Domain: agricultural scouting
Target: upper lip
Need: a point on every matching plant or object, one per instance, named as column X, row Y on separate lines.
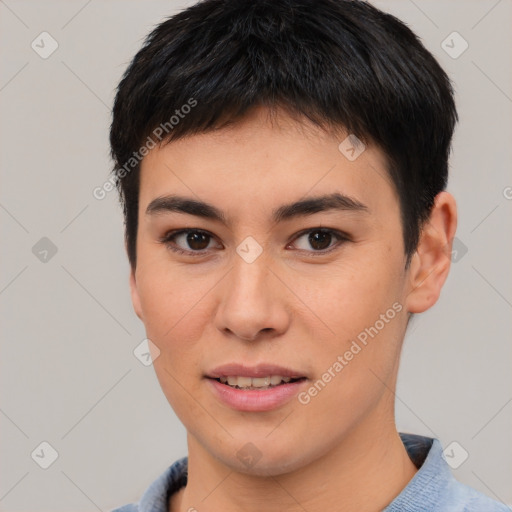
column 260, row 370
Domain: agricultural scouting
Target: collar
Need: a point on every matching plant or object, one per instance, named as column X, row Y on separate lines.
column 426, row 488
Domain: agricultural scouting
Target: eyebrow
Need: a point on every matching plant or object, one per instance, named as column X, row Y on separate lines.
column 301, row 208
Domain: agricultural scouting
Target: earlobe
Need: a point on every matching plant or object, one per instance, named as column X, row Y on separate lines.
column 135, row 295
column 431, row 262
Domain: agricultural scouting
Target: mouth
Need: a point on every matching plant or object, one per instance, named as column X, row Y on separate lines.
column 257, row 388
column 257, row 383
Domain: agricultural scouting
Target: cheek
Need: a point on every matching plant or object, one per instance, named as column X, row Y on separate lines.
column 174, row 319
column 350, row 296
column 354, row 368
column 171, row 302
column 361, row 326
column 360, row 323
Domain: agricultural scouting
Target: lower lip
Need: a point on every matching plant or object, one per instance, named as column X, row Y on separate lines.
column 255, row 400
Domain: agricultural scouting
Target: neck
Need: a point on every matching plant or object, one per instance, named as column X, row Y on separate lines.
column 366, row 471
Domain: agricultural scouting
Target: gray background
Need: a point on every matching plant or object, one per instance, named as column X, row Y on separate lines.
column 68, row 373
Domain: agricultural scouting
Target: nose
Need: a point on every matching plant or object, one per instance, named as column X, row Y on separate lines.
column 252, row 302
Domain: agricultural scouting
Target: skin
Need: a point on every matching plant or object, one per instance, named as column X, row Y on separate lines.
column 341, row 451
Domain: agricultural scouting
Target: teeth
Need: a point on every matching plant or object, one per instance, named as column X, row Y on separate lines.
column 261, row 381
column 256, row 382
column 243, row 382
column 275, row 380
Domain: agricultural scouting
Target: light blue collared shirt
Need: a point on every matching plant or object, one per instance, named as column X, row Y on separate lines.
column 432, row 489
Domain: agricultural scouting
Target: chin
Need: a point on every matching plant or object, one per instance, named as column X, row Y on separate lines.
column 264, row 458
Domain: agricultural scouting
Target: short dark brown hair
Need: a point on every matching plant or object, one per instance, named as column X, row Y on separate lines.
column 335, row 62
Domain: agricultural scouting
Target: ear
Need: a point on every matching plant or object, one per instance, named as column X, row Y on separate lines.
column 135, row 295
column 430, row 263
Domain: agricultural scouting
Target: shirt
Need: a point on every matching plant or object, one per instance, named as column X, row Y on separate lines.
column 432, row 489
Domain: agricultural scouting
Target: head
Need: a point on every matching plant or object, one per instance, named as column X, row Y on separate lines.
column 305, row 148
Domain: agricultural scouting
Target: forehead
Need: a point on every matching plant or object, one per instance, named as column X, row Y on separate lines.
column 260, row 162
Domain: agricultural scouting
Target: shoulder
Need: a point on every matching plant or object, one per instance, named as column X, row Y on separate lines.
column 131, row 507
column 156, row 496
column 462, row 498
column 434, row 487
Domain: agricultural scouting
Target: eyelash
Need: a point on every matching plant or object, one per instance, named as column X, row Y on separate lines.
column 168, row 238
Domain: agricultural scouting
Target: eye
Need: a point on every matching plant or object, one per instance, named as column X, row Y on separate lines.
column 196, row 242
column 320, row 239
column 193, row 242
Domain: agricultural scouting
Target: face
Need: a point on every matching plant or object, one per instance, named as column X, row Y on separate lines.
column 319, row 291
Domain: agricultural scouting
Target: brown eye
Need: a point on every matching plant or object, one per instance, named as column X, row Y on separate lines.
column 188, row 241
column 196, row 240
column 319, row 240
